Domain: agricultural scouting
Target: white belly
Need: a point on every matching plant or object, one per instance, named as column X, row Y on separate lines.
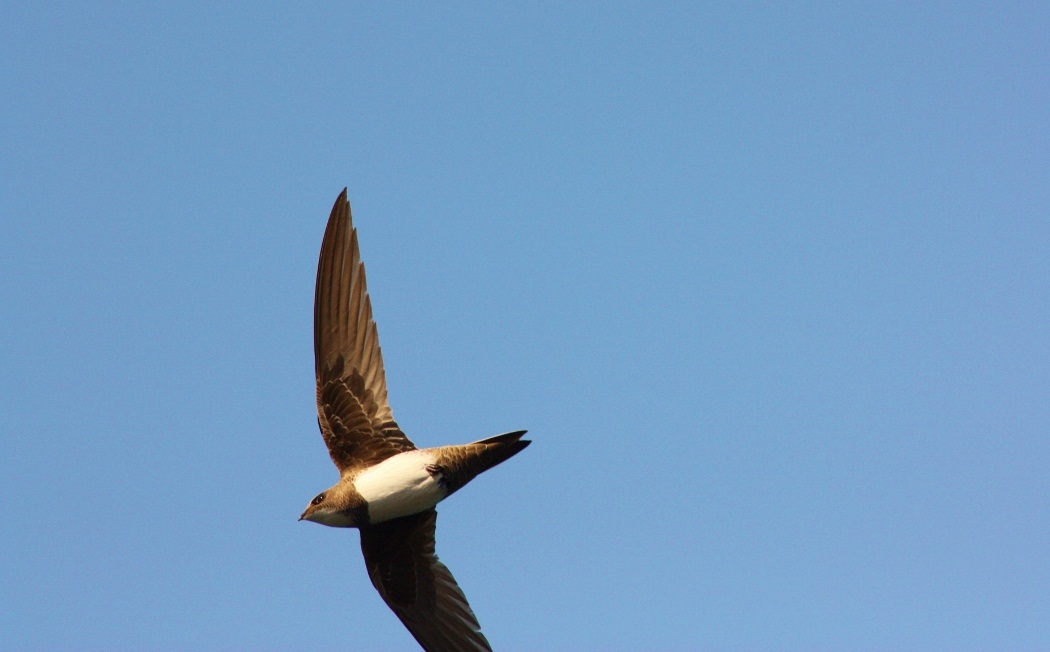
column 399, row 486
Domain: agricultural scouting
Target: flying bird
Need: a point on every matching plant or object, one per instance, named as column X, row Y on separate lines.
column 387, row 487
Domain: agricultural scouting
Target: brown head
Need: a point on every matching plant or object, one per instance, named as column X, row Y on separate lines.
column 337, row 506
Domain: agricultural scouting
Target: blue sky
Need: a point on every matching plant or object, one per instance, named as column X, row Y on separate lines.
column 767, row 284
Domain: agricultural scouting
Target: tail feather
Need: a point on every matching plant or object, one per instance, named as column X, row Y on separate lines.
column 461, row 464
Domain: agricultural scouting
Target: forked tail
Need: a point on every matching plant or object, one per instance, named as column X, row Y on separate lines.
column 461, row 464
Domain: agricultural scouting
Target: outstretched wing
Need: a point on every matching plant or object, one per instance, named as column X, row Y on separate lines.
column 399, row 555
column 352, row 409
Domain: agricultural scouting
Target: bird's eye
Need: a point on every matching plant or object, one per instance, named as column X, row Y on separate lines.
column 318, row 500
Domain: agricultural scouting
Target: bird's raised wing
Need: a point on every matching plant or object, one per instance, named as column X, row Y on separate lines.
column 399, row 555
column 352, row 409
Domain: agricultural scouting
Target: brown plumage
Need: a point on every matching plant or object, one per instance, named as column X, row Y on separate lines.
column 461, row 464
column 387, row 486
column 399, row 555
column 352, row 410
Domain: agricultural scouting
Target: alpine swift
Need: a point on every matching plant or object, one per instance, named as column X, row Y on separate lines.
column 387, row 487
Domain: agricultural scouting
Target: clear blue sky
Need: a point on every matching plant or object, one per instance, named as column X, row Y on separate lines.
column 769, row 287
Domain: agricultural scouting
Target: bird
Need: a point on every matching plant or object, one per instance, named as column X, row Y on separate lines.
column 388, row 488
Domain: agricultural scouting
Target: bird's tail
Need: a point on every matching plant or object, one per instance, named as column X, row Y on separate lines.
column 461, row 464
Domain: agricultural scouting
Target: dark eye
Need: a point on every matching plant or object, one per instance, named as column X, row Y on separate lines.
column 318, row 500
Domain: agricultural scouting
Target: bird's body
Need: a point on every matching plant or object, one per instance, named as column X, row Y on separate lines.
column 388, row 488
column 411, row 482
column 402, row 485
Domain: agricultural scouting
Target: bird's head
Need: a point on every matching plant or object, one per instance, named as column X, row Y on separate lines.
column 331, row 507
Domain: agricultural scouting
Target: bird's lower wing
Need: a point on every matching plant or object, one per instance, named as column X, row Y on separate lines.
column 399, row 555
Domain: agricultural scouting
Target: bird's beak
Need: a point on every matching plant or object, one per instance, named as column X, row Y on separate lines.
column 302, row 516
